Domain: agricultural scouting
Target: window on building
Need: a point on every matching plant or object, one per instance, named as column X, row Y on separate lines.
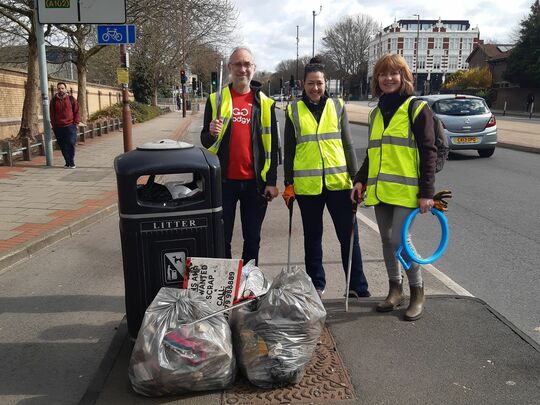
column 421, row 62
column 423, row 43
column 454, row 43
column 393, row 44
column 452, row 62
column 438, row 43
column 409, row 60
column 409, row 43
column 437, row 62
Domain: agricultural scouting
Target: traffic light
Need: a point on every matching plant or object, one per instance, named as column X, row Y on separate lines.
column 214, row 79
column 194, row 84
column 183, row 77
column 291, row 82
column 280, row 83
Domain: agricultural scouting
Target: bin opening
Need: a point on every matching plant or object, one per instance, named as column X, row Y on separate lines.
column 170, row 190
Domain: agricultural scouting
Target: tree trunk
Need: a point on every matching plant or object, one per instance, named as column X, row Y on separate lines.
column 154, row 96
column 81, row 84
column 30, row 113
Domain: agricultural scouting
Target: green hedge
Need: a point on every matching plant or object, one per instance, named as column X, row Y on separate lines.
column 141, row 112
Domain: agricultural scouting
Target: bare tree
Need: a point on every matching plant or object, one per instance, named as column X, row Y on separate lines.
column 83, row 37
column 346, row 43
column 192, row 26
column 17, row 21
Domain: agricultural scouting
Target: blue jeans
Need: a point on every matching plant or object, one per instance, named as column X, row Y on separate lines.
column 67, row 138
column 252, row 211
column 340, row 207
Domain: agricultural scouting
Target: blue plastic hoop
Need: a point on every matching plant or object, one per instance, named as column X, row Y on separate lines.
column 405, row 246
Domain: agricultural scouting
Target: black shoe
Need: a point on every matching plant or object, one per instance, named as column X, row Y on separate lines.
column 354, row 294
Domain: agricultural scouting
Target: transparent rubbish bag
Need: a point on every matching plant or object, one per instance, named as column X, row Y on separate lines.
column 275, row 336
column 174, row 355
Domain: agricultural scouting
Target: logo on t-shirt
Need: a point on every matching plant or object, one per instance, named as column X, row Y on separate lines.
column 240, row 115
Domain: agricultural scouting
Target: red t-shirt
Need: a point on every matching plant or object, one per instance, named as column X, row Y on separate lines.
column 240, row 147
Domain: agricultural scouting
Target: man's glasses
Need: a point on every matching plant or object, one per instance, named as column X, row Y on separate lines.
column 245, row 65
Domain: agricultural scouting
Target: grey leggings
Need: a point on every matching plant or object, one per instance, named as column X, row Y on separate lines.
column 390, row 219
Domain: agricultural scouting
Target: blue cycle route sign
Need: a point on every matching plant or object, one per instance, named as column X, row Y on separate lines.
column 115, row 34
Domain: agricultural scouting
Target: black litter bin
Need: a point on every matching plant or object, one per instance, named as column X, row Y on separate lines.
column 169, row 202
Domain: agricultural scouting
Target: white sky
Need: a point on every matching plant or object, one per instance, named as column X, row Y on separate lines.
column 268, row 27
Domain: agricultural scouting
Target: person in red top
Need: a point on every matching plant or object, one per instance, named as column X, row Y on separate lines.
column 242, row 155
column 65, row 118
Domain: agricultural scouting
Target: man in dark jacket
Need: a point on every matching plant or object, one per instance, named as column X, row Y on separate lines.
column 65, row 118
column 240, row 127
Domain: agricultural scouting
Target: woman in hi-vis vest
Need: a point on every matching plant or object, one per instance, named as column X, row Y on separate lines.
column 319, row 164
column 398, row 173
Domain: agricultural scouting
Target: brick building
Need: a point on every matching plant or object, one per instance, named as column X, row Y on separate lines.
column 493, row 57
column 441, row 47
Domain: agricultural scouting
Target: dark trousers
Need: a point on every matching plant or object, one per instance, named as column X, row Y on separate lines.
column 340, row 207
column 252, row 211
column 67, row 139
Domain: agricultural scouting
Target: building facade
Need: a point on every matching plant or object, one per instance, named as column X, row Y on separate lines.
column 432, row 48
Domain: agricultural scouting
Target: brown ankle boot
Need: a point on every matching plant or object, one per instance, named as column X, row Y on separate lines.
column 394, row 299
column 416, row 304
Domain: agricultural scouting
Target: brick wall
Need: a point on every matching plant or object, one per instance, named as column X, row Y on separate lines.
column 12, row 98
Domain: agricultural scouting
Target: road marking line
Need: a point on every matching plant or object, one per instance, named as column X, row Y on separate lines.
column 443, row 278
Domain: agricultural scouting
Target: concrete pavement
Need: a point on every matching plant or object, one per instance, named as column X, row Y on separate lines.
column 40, row 205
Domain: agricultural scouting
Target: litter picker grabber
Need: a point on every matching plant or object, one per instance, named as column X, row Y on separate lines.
column 349, row 263
column 291, row 205
column 218, row 91
column 245, row 301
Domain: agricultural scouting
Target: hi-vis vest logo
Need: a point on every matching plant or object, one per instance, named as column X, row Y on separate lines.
column 174, row 267
column 241, row 116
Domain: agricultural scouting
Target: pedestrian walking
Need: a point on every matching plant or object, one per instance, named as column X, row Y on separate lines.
column 65, row 117
column 398, row 172
column 243, row 134
column 530, row 101
column 319, row 163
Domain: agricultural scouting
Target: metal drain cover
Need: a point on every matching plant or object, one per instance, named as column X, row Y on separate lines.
column 326, row 381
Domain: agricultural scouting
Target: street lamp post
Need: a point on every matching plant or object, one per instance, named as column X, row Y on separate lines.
column 314, row 15
column 417, row 46
column 297, row 40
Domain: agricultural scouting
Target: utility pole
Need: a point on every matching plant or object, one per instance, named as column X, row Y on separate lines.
column 44, row 84
column 126, row 112
column 417, row 46
column 313, row 47
column 297, row 40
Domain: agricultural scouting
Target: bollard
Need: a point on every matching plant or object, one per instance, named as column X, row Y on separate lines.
column 27, row 151
column 9, row 156
column 530, row 112
column 504, row 109
column 81, row 133
column 41, row 144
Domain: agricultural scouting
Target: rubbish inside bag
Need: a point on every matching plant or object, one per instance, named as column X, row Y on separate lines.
column 252, row 281
column 172, row 356
column 275, row 338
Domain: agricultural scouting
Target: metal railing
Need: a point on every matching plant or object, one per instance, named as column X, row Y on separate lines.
column 9, row 153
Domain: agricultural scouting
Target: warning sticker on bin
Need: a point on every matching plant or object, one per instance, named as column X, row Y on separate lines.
column 175, row 264
column 215, row 279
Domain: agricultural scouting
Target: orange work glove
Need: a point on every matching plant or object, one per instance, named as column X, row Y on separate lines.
column 288, row 195
column 439, row 200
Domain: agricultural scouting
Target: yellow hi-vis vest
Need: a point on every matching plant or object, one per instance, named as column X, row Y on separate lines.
column 226, row 114
column 394, row 161
column 319, row 157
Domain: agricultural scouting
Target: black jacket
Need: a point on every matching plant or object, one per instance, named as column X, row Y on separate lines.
column 259, row 158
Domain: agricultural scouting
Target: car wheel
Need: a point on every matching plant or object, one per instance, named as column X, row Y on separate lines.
column 486, row 152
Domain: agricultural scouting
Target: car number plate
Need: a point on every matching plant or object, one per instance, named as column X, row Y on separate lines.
column 466, row 139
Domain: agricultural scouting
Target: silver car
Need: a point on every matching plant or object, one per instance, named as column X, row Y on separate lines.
column 468, row 122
